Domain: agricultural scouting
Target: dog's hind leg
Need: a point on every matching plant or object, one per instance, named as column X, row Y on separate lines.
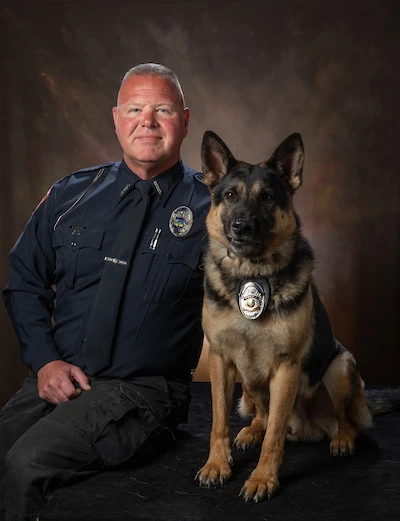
column 218, row 466
column 345, row 388
column 256, row 406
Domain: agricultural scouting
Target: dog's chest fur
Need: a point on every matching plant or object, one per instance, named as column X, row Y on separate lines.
column 256, row 346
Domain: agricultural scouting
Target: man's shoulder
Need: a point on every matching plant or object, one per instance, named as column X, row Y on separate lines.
column 194, row 174
column 199, row 177
column 199, row 192
column 78, row 176
column 91, row 170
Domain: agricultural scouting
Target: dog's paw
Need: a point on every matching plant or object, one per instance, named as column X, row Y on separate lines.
column 342, row 446
column 249, row 437
column 213, row 474
column 257, row 489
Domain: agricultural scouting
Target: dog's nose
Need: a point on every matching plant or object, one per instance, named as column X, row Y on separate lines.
column 241, row 227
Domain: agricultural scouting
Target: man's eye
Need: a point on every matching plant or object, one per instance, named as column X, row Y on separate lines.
column 165, row 111
column 134, row 110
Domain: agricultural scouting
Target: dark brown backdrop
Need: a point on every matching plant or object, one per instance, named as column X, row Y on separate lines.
column 253, row 72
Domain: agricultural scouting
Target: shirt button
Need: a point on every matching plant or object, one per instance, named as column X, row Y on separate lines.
column 170, row 256
column 73, row 243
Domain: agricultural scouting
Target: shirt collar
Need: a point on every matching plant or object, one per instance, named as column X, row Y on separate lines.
column 126, row 179
column 163, row 183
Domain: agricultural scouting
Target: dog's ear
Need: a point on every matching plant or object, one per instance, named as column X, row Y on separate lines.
column 216, row 159
column 288, row 160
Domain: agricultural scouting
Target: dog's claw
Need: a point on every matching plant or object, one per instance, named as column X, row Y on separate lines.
column 258, row 490
column 212, row 475
column 244, row 495
column 343, row 446
column 249, row 437
column 244, row 446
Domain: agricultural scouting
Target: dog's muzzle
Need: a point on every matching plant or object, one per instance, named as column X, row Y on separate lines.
column 242, row 228
column 241, row 236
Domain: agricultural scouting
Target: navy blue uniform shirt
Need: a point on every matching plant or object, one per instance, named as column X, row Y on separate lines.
column 63, row 246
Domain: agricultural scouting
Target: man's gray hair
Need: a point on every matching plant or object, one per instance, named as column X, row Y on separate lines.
column 156, row 69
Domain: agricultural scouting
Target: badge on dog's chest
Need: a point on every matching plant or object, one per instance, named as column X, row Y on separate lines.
column 252, row 296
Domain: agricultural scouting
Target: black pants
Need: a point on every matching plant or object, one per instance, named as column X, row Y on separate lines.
column 44, row 445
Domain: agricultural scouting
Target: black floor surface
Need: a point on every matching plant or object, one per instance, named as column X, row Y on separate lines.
column 314, row 485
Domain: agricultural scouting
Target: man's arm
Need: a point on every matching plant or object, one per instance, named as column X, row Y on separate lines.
column 29, row 299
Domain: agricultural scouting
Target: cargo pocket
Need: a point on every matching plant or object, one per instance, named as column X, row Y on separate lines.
column 171, row 266
column 78, row 256
column 140, row 413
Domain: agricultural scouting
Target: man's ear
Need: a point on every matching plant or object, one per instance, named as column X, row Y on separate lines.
column 216, row 159
column 186, row 116
column 115, row 116
column 288, row 161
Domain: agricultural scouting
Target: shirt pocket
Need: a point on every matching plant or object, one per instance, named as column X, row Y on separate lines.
column 169, row 268
column 78, row 255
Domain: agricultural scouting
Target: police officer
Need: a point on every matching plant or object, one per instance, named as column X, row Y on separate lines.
column 102, row 390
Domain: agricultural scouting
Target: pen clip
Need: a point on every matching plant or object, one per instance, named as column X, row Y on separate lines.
column 154, row 240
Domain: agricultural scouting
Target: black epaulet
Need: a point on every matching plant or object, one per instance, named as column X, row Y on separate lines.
column 93, row 168
column 97, row 169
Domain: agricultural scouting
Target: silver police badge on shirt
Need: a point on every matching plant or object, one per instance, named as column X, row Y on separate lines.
column 253, row 296
column 181, row 221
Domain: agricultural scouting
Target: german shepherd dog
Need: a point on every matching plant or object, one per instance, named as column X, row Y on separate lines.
column 264, row 319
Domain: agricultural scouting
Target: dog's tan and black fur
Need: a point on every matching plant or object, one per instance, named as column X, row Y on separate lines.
column 298, row 381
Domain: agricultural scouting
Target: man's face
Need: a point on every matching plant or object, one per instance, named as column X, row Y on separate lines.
column 151, row 123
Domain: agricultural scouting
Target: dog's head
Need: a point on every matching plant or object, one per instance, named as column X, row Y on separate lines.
column 252, row 211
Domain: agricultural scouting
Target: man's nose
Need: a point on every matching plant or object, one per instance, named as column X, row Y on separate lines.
column 148, row 119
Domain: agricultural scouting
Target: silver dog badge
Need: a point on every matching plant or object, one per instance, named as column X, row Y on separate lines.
column 253, row 298
column 181, row 221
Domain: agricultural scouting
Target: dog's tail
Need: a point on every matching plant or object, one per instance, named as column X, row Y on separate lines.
column 382, row 400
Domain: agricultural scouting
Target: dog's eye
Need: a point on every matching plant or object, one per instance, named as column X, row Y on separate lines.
column 229, row 194
column 266, row 196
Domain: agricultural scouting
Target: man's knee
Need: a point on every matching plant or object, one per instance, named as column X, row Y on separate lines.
column 16, row 483
column 25, row 461
column 14, row 465
column 38, row 462
column 24, row 482
column 45, row 451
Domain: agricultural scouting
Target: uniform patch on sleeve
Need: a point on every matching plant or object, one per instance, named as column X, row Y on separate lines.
column 43, row 199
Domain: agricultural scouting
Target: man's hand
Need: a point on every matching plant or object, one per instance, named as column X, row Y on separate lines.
column 56, row 382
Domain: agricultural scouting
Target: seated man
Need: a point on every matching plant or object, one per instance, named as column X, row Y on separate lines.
column 110, row 364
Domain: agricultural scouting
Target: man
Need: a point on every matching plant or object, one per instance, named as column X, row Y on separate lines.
column 102, row 391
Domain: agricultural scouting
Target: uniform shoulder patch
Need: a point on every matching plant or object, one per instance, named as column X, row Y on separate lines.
column 43, row 199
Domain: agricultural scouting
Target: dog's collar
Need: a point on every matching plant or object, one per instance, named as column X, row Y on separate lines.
column 252, row 296
column 253, row 261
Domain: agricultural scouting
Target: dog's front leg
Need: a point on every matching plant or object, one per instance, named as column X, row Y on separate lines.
column 218, row 466
column 263, row 481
